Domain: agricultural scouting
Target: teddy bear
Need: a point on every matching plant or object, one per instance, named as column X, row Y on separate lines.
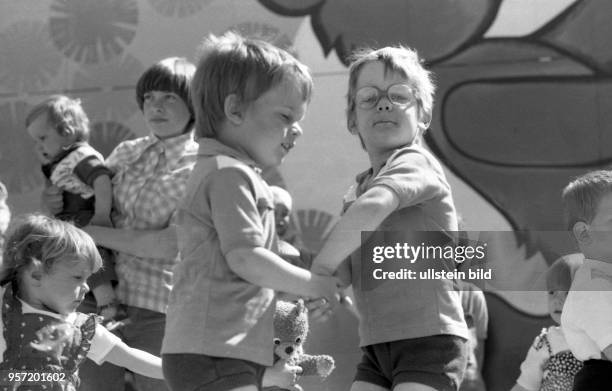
column 290, row 331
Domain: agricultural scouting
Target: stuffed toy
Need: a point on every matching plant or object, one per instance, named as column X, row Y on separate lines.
column 290, row 331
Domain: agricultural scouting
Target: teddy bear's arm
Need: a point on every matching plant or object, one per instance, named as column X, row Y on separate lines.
column 321, row 365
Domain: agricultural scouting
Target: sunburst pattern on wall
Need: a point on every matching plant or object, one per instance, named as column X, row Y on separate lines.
column 28, row 59
column 90, row 31
column 113, row 86
column 178, row 8
column 105, row 136
column 19, row 169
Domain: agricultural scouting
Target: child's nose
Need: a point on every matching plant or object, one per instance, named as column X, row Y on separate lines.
column 384, row 104
column 295, row 132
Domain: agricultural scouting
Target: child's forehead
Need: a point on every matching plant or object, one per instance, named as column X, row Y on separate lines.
column 74, row 265
column 374, row 72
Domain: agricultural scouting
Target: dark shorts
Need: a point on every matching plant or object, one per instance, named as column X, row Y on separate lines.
column 197, row 372
column 595, row 375
column 437, row 361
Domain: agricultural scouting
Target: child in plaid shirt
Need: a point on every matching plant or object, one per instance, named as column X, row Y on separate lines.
column 249, row 97
column 150, row 175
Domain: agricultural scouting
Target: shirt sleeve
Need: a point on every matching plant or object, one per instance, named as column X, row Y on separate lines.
column 480, row 314
column 89, row 169
column 532, row 367
column 101, row 344
column 598, row 304
column 411, row 176
column 234, row 209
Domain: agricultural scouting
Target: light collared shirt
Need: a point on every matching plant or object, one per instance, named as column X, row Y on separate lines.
column 587, row 313
column 149, row 181
column 212, row 310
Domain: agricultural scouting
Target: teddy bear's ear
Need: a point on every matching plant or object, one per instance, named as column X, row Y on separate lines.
column 300, row 306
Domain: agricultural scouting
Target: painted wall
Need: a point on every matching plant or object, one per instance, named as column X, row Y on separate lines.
column 524, row 91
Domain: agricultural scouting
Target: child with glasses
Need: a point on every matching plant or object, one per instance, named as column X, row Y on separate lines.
column 412, row 333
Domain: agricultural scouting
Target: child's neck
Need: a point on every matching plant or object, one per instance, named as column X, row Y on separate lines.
column 379, row 158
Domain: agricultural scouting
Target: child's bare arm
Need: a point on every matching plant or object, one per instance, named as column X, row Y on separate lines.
column 103, row 192
column 156, row 244
column 262, row 267
column 365, row 214
column 135, row 360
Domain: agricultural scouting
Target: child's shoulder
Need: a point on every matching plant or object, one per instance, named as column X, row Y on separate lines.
column 415, row 156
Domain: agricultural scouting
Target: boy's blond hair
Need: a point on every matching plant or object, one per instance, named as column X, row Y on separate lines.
column 42, row 241
column 232, row 64
column 398, row 59
column 64, row 114
column 581, row 197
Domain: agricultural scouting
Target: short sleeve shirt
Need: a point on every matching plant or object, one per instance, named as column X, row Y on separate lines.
column 398, row 309
column 213, row 311
column 587, row 313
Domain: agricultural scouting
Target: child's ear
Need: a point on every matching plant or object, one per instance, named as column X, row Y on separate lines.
column 234, row 109
column 582, row 232
column 33, row 275
column 424, row 120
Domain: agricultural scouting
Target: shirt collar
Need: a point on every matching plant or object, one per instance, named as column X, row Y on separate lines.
column 211, row 147
column 173, row 147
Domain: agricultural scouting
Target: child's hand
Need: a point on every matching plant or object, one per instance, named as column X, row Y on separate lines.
column 282, row 375
column 326, row 286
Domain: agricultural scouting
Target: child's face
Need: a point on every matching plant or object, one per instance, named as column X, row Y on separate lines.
column 281, row 216
column 64, row 287
column 49, row 143
column 599, row 243
column 270, row 123
column 556, row 299
column 385, row 126
column 165, row 113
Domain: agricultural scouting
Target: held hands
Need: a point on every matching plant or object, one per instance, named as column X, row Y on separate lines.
column 282, row 375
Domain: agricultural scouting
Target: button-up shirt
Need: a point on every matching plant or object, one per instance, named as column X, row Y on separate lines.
column 149, row 181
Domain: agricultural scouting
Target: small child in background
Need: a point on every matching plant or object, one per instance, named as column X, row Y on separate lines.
column 5, row 214
column 283, row 206
column 248, row 98
column 412, row 334
column 288, row 250
column 43, row 281
column 550, row 365
column 60, row 130
column 477, row 318
column 587, row 314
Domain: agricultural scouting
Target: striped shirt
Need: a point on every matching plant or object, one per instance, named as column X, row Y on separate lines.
column 149, row 181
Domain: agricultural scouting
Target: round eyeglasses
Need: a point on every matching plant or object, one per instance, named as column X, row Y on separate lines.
column 401, row 95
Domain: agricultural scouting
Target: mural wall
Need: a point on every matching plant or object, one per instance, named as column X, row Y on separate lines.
column 523, row 100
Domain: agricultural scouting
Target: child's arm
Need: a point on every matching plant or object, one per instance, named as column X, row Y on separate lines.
column 517, row 387
column 103, row 193
column 262, row 267
column 156, row 244
column 365, row 214
column 135, row 360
